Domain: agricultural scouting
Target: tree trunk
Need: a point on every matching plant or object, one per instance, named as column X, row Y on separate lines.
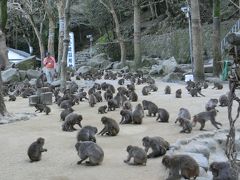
column 65, row 44
column 137, row 34
column 3, row 14
column 197, row 41
column 216, row 38
column 3, row 64
column 60, row 6
column 52, row 26
column 152, row 9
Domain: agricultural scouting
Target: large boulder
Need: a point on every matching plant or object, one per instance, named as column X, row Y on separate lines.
column 156, row 70
column 23, row 74
column 86, row 70
column 149, row 61
column 99, row 61
column 173, row 77
column 33, row 74
column 169, row 65
column 10, row 75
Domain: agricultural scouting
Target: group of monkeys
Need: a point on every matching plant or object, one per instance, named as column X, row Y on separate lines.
column 86, row 146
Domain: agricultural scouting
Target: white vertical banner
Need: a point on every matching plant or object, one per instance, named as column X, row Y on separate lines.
column 71, row 52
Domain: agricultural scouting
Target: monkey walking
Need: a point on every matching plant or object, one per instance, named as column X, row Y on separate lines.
column 35, row 150
column 188, row 167
column 89, row 150
column 186, row 125
column 138, row 154
column 202, row 117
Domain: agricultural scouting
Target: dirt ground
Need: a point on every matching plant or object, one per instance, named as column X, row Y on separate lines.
column 59, row 162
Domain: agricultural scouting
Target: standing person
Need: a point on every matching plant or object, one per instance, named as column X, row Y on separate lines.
column 49, row 66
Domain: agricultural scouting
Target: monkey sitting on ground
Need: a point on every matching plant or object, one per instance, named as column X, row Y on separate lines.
column 222, row 171
column 98, row 96
column 111, row 127
column 167, row 90
column 223, row 100
column 126, row 117
column 202, row 117
column 91, row 150
column 92, row 100
column 133, row 96
column 121, row 81
column 112, row 105
column 131, row 87
column 108, row 94
column 211, row 104
column 35, row 150
column 138, row 154
column 70, row 120
column 158, row 145
column 187, row 166
column 217, row 85
column 183, row 113
column 146, row 90
column 186, row 125
column 46, row 109
column 87, row 133
column 12, row 98
column 153, row 87
column 66, row 104
column 102, row 109
column 163, row 115
column 179, row 93
column 151, row 107
column 138, row 114
column 205, row 85
column 65, row 112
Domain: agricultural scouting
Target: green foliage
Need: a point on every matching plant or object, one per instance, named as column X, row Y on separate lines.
column 105, row 38
column 3, row 14
column 216, row 8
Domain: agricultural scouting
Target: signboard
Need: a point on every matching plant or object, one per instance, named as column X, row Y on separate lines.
column 71, row 52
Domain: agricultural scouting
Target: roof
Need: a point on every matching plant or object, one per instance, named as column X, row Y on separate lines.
column 15, row 55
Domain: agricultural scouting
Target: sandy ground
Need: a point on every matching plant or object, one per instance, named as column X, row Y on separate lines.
column 59, row 163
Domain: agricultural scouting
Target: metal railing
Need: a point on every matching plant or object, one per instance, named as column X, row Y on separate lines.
column 235, row 28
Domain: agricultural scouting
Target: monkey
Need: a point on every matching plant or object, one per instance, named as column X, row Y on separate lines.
column 138, row 154
column 118, row 99
column 183, row 113
column 40, row 81
column 98, row 96
column 92, row 100
column 70, row 120
column 222, row 171
column 163, row 115
column 167, row 90
column 121, row 81
column 153, row 87
column 35, row 150
column 39, row 107
column 46, row 109
column 187, row 166
column 89, row 149
column 12, row 98
column 127, row 106
column 223, row 100
column 91, row 90
column 82, row 95
column 146, row 90
column 195, row 91
column 150, row 80
column 126, row 117
column 205, row 85
column 108, row 94
column 102, row 109
column 186, row 125
column 123, row 91
column 66, row 104
column 65, row 112
column 97, row 86
column 111, row 127
column 179, row 93
column 112, row 105
column 131, row 87
column 202, row 117
column 87, row 133
column 151, row 107
column 138, row 114
column 217, row 85
column 133, row 96
column 211, row 104
column 158, row 145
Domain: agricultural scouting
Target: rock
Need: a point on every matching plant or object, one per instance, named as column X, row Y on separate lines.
column 33, row 82
column 169, row 65
column 149, row 61
column 117, row 65
column 99, row 61
column 10, row 75
column 183, row 68
column 156, row 70
column 56, row 83
column 33, row 74
column 196, row 147
column 173, row 77
column 110, row 66
column 84, row 70
column 125, row 69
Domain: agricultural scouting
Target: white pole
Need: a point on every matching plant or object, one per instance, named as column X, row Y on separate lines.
column 190, row 37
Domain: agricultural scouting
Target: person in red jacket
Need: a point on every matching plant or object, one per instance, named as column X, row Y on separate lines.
column 49, row 66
